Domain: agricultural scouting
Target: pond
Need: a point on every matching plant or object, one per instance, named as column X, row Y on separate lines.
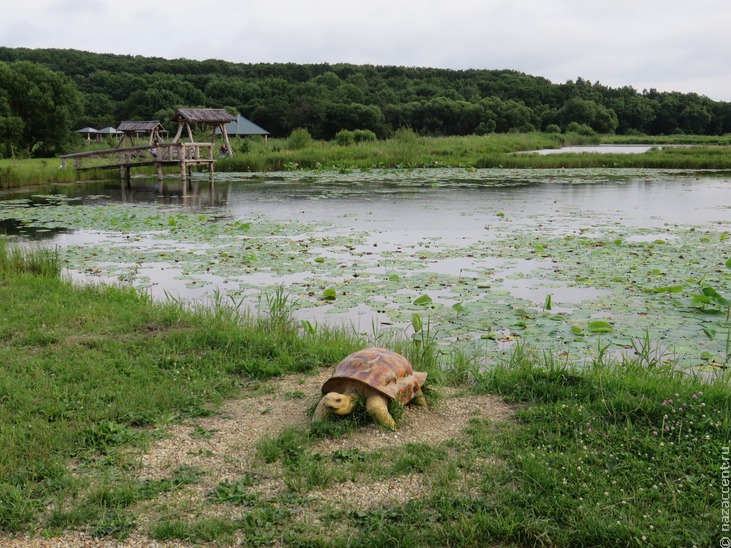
column 566, row 260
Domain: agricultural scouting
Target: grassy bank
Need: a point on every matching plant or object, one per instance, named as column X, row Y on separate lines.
column 619, row 454
column 407, row 150
column 25, row 172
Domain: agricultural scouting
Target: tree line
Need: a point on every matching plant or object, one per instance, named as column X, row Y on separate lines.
column 100, row 90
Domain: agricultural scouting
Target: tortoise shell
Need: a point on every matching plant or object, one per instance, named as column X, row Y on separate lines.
column 383, row 370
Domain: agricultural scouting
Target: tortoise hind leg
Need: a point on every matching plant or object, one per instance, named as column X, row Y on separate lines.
column 419, row 400
column 377, row 407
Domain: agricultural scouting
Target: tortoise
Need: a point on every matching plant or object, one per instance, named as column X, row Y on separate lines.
column 376, row 375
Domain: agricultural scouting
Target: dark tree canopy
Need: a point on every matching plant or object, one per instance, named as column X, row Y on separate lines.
column 38, row 108
column 328, row 98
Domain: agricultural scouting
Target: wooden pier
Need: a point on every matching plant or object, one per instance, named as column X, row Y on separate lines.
column 157, row 153
column 181, row 154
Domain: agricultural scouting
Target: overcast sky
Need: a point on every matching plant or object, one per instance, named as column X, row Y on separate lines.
column 669, row 45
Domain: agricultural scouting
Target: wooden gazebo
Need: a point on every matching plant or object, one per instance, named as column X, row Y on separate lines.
column 216, row 118
column 132, row 129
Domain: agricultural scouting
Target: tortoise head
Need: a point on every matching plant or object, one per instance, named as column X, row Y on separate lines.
column 335, row 403
column 339, row 404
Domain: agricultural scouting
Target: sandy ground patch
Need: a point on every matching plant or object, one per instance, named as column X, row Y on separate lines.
column 223, row 447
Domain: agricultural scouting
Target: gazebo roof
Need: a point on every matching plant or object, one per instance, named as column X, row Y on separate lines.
column 203, row 116
column 139, row 126
column 243, row 126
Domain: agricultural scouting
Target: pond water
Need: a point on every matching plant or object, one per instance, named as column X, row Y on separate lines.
column 486, row 256
column 599, row 149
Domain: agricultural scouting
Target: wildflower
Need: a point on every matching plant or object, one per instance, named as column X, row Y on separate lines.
column 654, row 433
column 677, row 395
column 695, row 397
column 700, row 393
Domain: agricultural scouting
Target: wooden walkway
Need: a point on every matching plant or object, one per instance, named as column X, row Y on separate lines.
column 180, row 154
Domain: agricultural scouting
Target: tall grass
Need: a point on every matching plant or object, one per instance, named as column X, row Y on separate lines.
column 404, row 149
column 16, row 173
column 408, row 150
column 16, row 260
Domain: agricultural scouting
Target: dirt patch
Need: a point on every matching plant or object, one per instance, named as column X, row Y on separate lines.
column 223, row 448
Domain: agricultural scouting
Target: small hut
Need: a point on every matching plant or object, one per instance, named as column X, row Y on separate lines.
column 109, row 132
column 217, row 118
column 88, row 131
column 243, row 127
column 152, row 129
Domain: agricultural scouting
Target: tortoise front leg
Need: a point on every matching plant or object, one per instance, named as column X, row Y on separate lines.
column 377, row 407
column 321, row 412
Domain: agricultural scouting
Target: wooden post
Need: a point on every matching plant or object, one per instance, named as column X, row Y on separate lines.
column 181, row 159
column 225, row 138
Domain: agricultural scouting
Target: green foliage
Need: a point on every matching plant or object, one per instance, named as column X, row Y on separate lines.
column 16, row 508
column 581, row 129
column 299, row 138
column 345, row 137
column 364, row 136
column 325, row 98
column 16, row 260
column 38, row 107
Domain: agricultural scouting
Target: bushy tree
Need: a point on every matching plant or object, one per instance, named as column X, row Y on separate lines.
column 38, row 108
column 326, row 98
column 345, row 137
column 299, row 138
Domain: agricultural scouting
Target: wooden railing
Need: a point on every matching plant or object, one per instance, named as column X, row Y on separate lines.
column 182, row 154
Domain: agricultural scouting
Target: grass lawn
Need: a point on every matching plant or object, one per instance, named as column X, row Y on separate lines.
column 95, row 378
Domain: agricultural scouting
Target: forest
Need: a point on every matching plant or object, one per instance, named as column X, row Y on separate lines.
column 79, row 89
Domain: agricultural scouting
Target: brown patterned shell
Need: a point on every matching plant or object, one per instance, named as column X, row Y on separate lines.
column 382, row 369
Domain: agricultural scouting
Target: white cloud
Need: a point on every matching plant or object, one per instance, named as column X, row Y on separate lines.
column 662, row 44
